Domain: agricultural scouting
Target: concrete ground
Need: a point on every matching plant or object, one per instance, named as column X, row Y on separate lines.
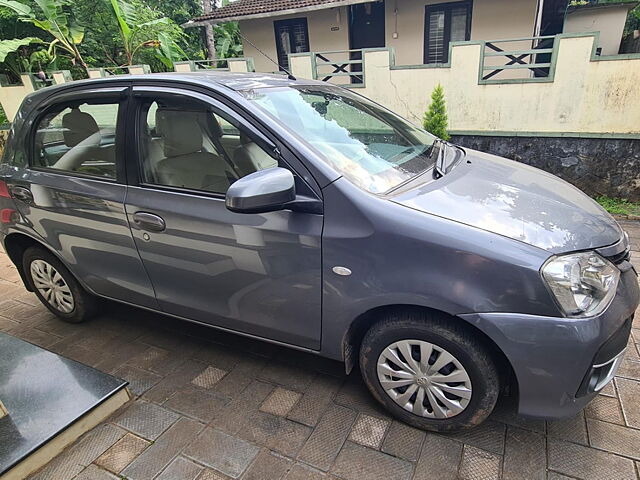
column 209, row 405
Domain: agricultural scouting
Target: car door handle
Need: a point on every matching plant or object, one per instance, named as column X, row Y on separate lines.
column 149, row 221
column 22, row 193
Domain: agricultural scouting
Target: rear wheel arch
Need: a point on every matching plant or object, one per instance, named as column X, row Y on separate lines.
column 16, row 244
column 364, row 322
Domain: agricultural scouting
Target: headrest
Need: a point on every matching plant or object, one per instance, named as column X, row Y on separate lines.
column 77, row 126
column 206, row 120
column 180, row 130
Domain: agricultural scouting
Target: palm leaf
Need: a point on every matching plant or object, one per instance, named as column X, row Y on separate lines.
column 121, row 18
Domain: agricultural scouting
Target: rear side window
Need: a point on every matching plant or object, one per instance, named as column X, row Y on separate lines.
column 78, row 138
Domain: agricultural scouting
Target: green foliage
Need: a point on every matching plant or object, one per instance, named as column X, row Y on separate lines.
column 633, row 21
column 435, row 119
column 57, row 19
column 142, row 28
column 3, row 117
column 619, row 206
column 11, row 46
column 228, row 42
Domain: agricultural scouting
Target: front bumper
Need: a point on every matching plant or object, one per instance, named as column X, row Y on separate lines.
column 561, row 363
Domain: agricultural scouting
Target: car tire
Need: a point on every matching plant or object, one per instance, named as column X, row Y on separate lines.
column 56, row 287
column 462, row 358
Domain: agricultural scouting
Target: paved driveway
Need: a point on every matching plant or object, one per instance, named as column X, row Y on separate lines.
column 211, row 406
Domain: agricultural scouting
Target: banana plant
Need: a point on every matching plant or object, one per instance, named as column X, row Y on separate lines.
column 11, row 59
column 58, row 22
column 131, row 29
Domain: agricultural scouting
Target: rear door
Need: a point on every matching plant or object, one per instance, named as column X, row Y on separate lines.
column 72, row 193
column 253, row 273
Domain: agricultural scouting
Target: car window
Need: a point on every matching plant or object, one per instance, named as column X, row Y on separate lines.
column 370, row 146
column 78, row 138
column 191, row 145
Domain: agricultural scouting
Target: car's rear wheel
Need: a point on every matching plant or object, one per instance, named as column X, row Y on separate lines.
column 429, row 372
column 56, row 287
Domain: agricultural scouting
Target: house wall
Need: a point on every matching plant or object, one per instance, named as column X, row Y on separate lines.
column 490, row 20
column 608, row 21
column 321, row 37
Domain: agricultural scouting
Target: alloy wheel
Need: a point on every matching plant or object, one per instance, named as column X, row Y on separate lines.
column 424, row 379
column 52, row 286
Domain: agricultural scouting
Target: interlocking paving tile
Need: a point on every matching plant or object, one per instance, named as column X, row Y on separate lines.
column 315, row 400
column 557, row 476
column 93, row 472
column 609, row 390
column 276, row 433
column 120, row 354
column 222, row 452
column 280, row 402
column 290, row 376
column 196, row 403
column 606, row 409
column 300, row 471
column 209, row 377
column 328, row 437
column 6, row 324
column 588, row 463
column 403, row 441
column 81, row 454
column 356, row 462
column 572, row 429
column 369, row 431
column 629, row 369
column 139, row 380
column 20, row 312
column 147, row 420
column 209, row 474
column 524, row 455
column 219, row 356
column 148, row 357
column 268, row 466
column 506, row 411
column 479, row 464
column 122, row 453
column 180, row 469
column 355, row 395
column 614, row 438
column 240, row 377
column 233, row 417
column 487, row 436
column 440, row 458
column 155, row 458
column 174, row 381
column 629, row 393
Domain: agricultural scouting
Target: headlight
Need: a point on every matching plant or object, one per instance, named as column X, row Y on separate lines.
column 583, row 283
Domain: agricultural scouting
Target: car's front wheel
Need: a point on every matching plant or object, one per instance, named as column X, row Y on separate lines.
column 429, row 372
column 56, row 287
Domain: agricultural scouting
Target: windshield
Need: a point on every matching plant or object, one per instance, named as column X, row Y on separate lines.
column 372, row 147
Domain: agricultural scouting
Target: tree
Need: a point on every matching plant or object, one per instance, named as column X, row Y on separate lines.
column 209, row 37
column 435, row 119
column 59, row 22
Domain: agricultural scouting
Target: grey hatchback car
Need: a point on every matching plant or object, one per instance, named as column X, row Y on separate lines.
column 306, row 215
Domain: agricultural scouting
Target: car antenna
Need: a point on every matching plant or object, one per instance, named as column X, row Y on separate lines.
column 289, row 74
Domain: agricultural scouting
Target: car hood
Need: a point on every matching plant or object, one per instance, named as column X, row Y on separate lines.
column 516, row 201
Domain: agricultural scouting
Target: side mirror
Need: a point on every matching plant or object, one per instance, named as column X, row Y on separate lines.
column 263, row 191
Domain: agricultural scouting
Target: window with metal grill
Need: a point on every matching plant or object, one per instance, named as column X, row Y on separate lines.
column 292, row 36
column 445, row 23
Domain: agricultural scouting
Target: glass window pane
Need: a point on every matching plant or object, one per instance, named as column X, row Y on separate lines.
column 459, row 24
column 436, row 37
column 79, row 138
column 189, row 145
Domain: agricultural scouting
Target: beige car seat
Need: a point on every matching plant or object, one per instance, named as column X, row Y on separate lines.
column 249, row 157
column 186, row 164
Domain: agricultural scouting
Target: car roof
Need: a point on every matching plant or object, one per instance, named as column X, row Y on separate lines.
column 233, row 81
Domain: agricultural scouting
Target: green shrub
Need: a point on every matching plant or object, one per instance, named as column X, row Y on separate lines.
column 619, row 206
column 435, row 119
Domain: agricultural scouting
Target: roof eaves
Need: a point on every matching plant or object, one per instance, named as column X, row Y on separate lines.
column 200, row 21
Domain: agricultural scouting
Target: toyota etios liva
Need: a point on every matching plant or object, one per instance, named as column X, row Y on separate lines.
column 304, row 214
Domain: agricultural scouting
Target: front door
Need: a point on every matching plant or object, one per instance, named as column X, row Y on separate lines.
column 366, row 30
column 73, row 192
column 254, row 273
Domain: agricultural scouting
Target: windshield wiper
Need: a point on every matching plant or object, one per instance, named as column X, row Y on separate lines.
column 440, row 167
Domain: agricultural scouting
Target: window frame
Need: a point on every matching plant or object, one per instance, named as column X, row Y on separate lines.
column 116, row 95
column 447, row 8
column 289, row 22
column 142, row 93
